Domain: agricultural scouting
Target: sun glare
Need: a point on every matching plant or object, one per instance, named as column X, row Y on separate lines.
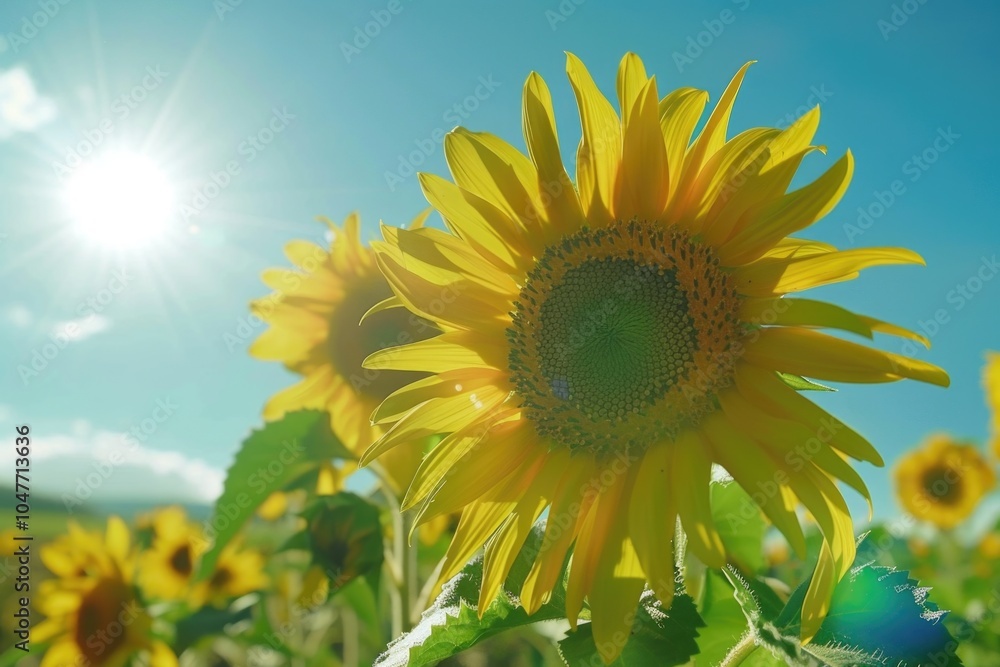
column 120, row 200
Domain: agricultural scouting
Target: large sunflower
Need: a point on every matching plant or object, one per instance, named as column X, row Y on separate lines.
column 314, row 315
column 605, row 343
column 943, row 481
column 93, row 616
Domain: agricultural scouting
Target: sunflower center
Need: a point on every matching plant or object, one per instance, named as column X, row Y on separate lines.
column 102, row 620
column 350, row 344
column 621, row 336
column 181, row 562
column 221, row 578
column 943, row 485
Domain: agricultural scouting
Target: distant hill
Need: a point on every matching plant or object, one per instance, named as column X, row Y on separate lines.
column 127, row 509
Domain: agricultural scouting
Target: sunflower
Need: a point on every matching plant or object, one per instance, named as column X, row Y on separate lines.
column 604, row 343
column 93, row 616
column 991, row 384
column 238, row 571
column 314, row 315
column 167, row 568
column 943, row 481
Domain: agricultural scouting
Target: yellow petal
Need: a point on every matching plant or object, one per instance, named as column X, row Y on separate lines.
column 642, row 184
column 813, row 354
column 796, row 210
column 652, row 532
column 559, row 199
column 449, row 351
column 478, row 222
column 691, row 473
column 570, row 504
column 766, row 390
column 679, row 114
column 599, row 153
column 778, row 276
column 711, row 139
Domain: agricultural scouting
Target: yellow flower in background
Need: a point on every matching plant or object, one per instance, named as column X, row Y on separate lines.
column 83, row 554
column 167, row 568
column 238, row 571
column 314, row 315
column 605, row 343
column 943, row 481
column 989, row 546
column 991, row 384
column 95, row 619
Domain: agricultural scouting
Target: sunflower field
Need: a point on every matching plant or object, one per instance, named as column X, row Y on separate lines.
column 576, row 411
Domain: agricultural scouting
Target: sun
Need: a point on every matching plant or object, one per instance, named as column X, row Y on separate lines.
column 121, row 199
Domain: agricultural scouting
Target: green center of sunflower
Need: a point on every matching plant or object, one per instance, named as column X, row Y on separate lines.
column 614, row 336
column 943, row 485
column 621, row 336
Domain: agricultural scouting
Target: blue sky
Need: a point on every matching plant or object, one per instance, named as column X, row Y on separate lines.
column 910, row 87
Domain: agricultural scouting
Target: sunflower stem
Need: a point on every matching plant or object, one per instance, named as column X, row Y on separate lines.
column 406, row 556
column 741, row 651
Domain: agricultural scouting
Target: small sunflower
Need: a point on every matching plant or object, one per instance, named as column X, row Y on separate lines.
column 93, row 616
column 238, row 571
column 606, row 342
column 168, row 567
column 943, row 481
column 314, row 315
column 991, row 384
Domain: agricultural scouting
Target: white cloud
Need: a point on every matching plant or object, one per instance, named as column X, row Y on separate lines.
column 79, row 329
column 108, row 466
column 22, row 109
column 19, row 316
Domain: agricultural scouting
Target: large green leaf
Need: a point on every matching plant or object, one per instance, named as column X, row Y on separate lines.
column 452, row 625
column 741, row 525
column 267, row 461
column 725, row 623
column 662, row 638
column 878, row 616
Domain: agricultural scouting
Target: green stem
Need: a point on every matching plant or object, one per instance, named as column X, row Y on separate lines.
column 740, row 652
column 407, row 559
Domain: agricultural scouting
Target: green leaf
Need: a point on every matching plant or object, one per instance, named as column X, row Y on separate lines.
column 658, row 638
column 741, row 525
column 725, row 623
column 800, row 383
column 268, row 460
column 205, row 622
column 451, row 624
column 878, row 616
